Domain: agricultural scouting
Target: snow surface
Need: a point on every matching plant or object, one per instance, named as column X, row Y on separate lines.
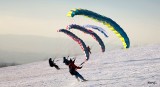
column 134, row 67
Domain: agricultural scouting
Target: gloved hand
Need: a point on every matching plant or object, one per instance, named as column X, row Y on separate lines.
column 80, row 67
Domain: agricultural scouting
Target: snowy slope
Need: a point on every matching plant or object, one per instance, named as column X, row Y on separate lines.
column 134, row 67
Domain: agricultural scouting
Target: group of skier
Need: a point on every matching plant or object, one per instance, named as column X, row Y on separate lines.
column 71, row 64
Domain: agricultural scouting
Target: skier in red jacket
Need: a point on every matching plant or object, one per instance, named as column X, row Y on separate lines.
column 73, row 68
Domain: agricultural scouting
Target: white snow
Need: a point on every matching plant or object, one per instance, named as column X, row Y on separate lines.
column 133, row 67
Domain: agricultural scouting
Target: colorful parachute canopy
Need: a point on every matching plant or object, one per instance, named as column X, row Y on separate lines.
column 94, row 35
column 96, row 28
column 78, row 40
column 112, row 25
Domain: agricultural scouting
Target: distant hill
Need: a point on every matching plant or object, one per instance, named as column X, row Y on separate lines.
column 27, row 48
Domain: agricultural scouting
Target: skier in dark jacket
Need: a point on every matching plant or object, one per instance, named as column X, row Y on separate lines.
column 52, row 64
column 73, row 68
column 65, row 60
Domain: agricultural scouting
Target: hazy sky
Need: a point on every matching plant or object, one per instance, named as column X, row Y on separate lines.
column 139, row 18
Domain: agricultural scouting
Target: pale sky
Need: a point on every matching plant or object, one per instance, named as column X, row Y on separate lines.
column 140, row 19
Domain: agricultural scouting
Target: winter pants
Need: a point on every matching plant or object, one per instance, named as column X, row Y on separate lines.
column 77, row 75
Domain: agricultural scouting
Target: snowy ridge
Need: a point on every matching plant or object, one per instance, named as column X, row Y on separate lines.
column 134, row 67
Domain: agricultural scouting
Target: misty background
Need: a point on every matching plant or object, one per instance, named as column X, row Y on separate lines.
column 28, row 29
column 26, row 48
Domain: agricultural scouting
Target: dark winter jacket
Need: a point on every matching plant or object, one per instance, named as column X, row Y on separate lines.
column 66, row 61
column 52, row 64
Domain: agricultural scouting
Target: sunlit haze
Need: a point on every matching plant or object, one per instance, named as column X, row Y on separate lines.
column 25, row 19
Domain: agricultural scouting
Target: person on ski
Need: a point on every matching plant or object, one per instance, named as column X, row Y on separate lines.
column 52, row 64
column 73, row 68
column 89, row 49
column 65, row 60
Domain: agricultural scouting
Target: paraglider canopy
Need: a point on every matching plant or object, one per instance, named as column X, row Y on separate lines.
column 103, row 31
column 90, row 32
column 112, row 25
column 78, row 40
